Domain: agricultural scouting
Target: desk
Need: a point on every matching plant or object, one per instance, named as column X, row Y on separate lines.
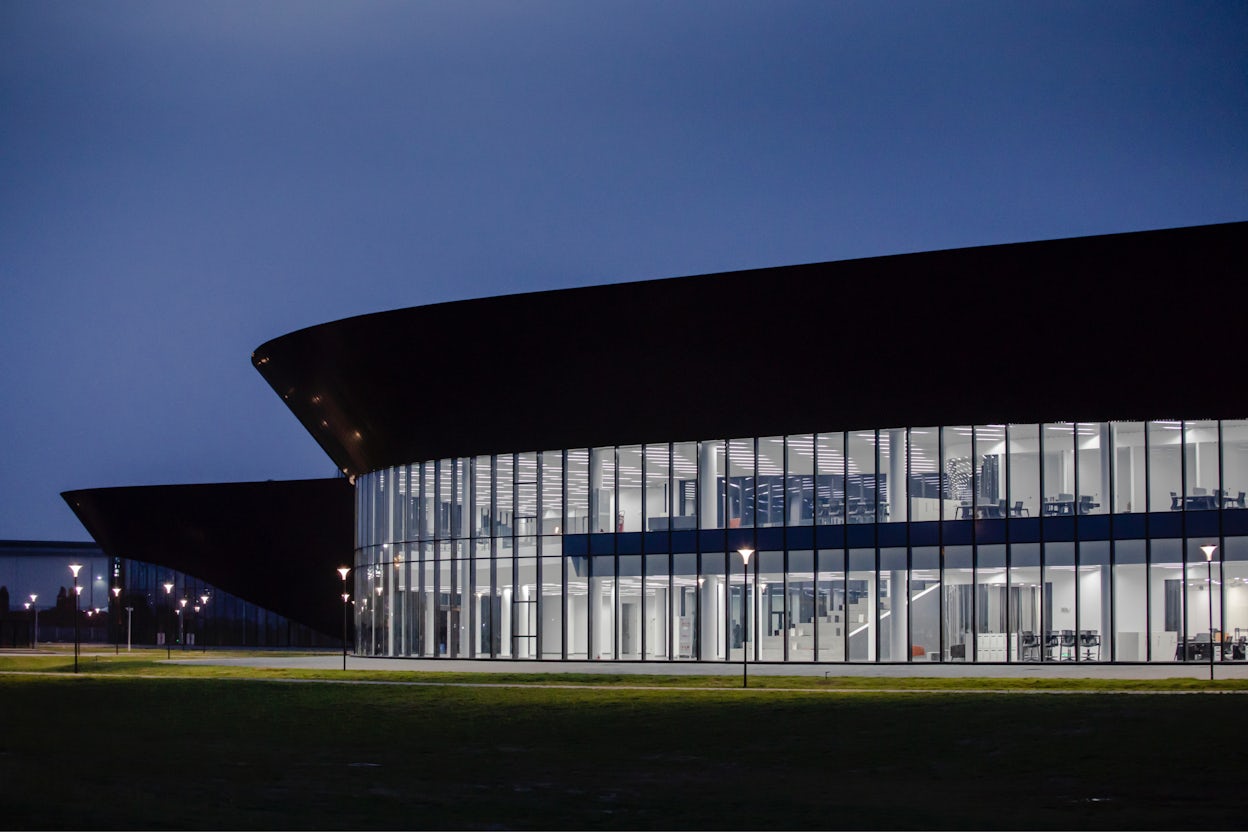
column 984, row 512
column 1065, row 508
column 1200, row 502
column 1198, row 651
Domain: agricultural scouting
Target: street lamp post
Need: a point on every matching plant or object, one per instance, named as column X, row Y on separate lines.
column 745, row 613
column 33, row 598
column 74, row 567
column 203, row 625
column 129, row 613
column 1209, row 550
column 169, row 606
column 344, row 571
column 182, row 624
column 117, row 632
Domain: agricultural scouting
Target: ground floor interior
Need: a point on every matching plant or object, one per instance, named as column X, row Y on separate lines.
column 1139, row 600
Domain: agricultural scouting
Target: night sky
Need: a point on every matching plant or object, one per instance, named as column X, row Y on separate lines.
column 180, row 182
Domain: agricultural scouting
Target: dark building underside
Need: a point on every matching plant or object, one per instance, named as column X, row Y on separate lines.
column 274, row 544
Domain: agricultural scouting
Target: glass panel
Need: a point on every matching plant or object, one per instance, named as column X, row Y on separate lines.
column 800, row 459
column 602, row 490
column 1059, row 599
column 526, row 608
column 740, row 483
column 628, row 515
column 990, row 605
column 894, row 609
column 1204, row 603
column 860, row 482
column 484, row 610
column 658, row 480
column 578, row 491
column 1093, row 445
column 483, row 509
column 860, row 591
column 1235, row 463
column 1024, row 465
column 504, row 609
column 398, row 508
column 958, row 590
column 552, row 492
column 1130, row 598
column 1026, row 608
column 552, row 607
column 685, row 583
column 1235, row 597
column 685, row 485
column 1129, row 469
column 769, row 487
column 428, row 506
column 1165, row 467
column 504, row 495
column 713, row 606
column 429, row 605
column 990, row 499
column 925, row 479
column 1094, row 601
column 925, row 604
column 1058, row 473
column 830, row 482
column 578, row 606
column 602, row 607
column 957, row 467
column 741, row 614
column 446, row 622
column 710, row 476
column 526, row 494
column 463, row 606
column 800, row 593
column 1200, row 454
column 628, row 584
column 445, row 497
column 463, row 499
column 892, row 501
column 1166, row 599
column 655, row 598
column 830, row 610
column 772, row 628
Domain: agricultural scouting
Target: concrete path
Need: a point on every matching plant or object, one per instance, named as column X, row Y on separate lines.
column 1072, row 670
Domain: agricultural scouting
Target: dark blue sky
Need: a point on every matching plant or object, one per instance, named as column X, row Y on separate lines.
column 180, row 182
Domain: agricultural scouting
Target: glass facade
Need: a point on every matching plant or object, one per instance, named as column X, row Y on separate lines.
column 1056, row 542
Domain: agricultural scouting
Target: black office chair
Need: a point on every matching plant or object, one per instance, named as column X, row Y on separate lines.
column 1085, row 503
column 1070, row 646
column 1019, row 510
column 1176, row 502
column 1030, row 645
column 1052, row 641
column 1087, row 640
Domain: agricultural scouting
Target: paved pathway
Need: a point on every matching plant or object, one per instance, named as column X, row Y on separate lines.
column 939, row 671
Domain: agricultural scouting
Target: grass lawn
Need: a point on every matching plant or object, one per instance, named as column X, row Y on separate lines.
column 104, row 750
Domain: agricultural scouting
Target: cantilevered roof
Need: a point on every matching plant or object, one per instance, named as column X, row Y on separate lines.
column 275, row 544
column 1124, row 326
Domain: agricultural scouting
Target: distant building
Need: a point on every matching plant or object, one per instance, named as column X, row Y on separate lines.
column 41, row 568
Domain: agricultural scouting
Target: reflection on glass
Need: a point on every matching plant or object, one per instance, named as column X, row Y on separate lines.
column 769, row 487
column 800, row 496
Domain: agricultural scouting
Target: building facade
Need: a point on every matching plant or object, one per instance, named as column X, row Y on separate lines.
column 863, row 461
column 1057, row 542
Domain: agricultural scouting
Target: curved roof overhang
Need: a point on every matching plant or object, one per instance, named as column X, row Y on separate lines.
column 275, row 544
column 1123, row 326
